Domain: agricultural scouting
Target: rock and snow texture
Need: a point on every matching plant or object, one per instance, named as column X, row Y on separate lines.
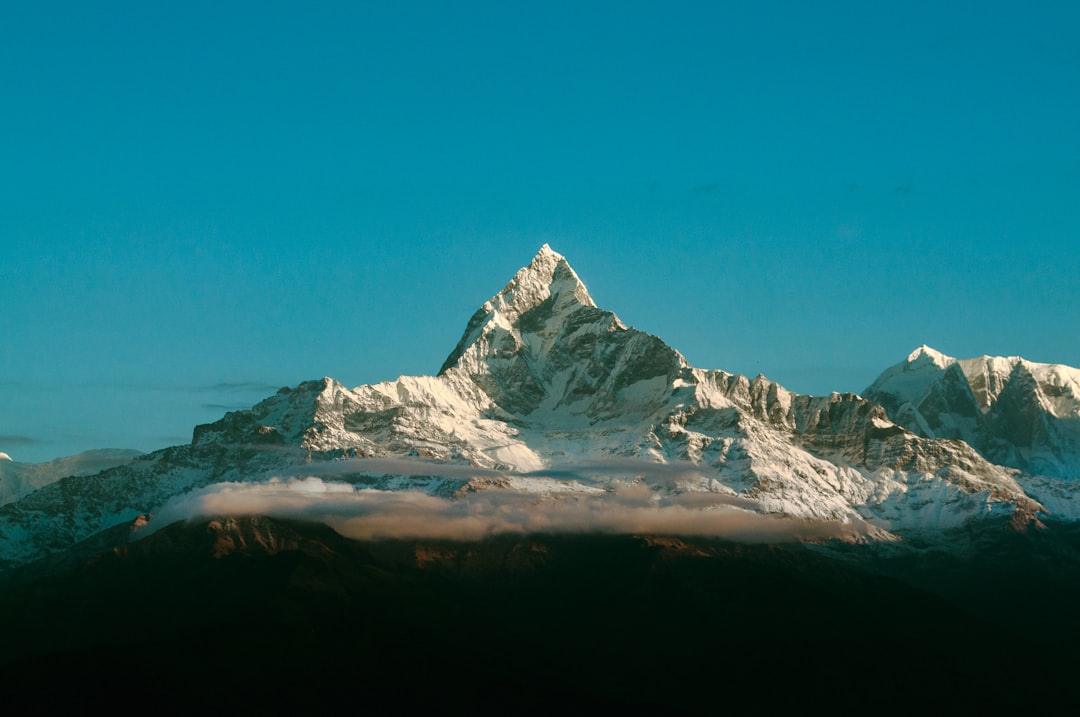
column 549, row 397
column 1016, row 413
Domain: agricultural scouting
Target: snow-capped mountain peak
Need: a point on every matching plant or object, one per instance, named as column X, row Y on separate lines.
column 909, row 381
column 925, row 354
column 546, row 394
column 545, row 292
column 547, row 275
column 548, row 278
column 1015, row 412
column 542, row 341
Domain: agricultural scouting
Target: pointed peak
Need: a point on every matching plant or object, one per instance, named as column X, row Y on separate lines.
column 545, row 257
column 547, row 281
column 926, row 354
column 548, row 274
column 546, row 250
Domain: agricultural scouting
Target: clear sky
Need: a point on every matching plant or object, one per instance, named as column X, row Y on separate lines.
column 203, row 201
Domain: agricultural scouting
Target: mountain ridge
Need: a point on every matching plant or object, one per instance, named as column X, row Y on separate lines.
column 548, row 400
column 1017, row 413
column 18, row 479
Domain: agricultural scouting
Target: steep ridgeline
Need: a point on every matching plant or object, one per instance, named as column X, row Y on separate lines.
column 542, row 383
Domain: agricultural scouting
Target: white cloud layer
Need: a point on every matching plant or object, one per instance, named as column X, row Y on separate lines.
column 365, row 513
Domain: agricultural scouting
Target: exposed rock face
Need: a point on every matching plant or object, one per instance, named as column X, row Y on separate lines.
column 543, row 379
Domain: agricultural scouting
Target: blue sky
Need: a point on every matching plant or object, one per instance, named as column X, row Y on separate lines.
column 201, row 202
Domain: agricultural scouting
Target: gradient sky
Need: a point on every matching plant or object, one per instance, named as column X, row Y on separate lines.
column 201, row 202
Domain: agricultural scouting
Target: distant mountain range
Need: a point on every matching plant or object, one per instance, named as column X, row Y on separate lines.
column 18, row 479
column 1016, row 413
column 567, row 514
column 551, row 414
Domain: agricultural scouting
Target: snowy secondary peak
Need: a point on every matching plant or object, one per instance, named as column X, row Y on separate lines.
column 910, row 380
column 1015, row 412
column 933, row 356
column 1060, row 383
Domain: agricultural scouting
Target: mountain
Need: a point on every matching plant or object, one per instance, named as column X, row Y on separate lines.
column 270, row 616
column 18, row 479
column 552, row 414
column 1014, row 412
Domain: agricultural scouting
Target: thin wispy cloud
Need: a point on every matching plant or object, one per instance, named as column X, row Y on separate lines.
column 586, row 471
column 622, row 467
column 392, row 466
column 225, row 406
column 16, row 440
column 240, row 386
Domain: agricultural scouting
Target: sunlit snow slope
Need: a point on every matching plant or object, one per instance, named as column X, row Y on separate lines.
column 549, row 398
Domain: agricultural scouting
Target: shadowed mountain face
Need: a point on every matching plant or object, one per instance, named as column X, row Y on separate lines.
column 279, row 616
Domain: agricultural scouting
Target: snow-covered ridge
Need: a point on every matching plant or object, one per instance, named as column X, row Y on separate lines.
column 909, row 380
column 550, row 400
column 1016, row 412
